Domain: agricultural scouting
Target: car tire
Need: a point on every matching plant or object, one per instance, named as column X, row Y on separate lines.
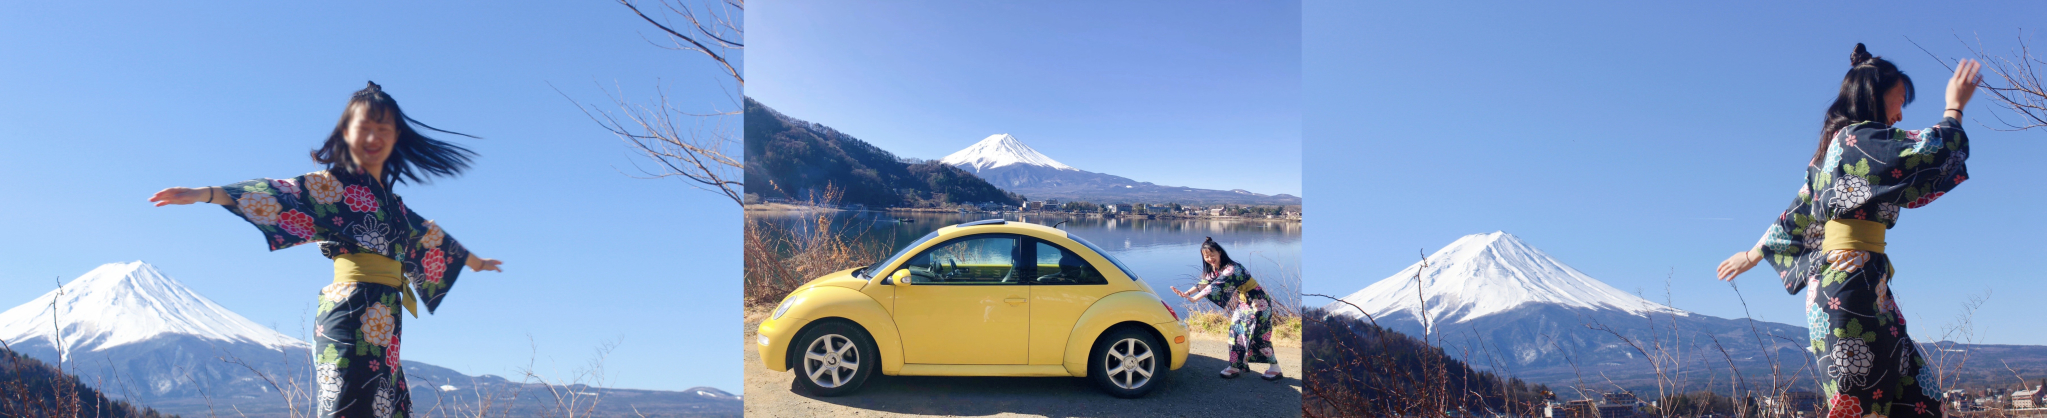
column 834, row 358
column 1127, row 362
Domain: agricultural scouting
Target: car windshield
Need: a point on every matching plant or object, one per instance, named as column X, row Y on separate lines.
column 1105, row 254
column 868, row 272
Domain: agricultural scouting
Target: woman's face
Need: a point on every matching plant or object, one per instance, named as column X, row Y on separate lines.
column 1894, row 103
column 1210, row 258
column 370, row 140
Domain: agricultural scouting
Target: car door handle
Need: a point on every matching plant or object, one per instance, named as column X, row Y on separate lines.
column 1015, row 300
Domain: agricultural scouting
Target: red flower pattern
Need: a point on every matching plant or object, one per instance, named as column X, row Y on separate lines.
column 391, row 353
column 1923, row 200
column 1844, row 406
column 1896, row 173
column 435, row 264
column 297, row 223
column 359, row 199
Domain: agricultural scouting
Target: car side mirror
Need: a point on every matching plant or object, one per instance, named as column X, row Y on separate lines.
column 901, row 278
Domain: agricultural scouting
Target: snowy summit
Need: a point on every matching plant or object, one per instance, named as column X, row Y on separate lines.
column 1486, row 274
column 1000, row 150
column 125, row 303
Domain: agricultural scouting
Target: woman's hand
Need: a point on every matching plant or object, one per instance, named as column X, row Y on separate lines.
column 1739, row 263
column 1176, row 291
column 187, row 196
column 480, row 264
column 1963, row 85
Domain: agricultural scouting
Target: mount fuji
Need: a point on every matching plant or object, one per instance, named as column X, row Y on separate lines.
column 1006, row 162
column 149, row 338
column 137, row 334
column 1511, row 307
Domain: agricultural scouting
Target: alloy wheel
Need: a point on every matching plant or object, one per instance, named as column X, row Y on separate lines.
column 1129, row 363
column 831, row 361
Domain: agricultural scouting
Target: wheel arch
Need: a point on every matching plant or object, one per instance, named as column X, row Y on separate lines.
column 1129, row 308
column 827, row 304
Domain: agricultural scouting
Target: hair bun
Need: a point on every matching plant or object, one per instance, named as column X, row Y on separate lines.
column 1861, row 56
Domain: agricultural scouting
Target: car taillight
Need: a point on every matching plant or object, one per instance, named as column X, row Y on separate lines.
column 1169, row 308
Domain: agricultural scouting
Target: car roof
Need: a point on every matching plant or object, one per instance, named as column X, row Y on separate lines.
column 1001, row 225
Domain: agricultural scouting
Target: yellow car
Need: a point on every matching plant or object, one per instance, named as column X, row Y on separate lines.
column 983, row 298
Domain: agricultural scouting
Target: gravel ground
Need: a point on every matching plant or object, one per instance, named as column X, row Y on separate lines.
column 1192, row 391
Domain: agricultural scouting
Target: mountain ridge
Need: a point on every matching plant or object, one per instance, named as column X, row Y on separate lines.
column 1010, row 164
column 1510, row 307
column 139, row 335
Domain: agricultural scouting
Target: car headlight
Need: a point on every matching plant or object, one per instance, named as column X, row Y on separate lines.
column 784, row 307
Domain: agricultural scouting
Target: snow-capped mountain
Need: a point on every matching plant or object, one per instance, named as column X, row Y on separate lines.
column 127, row 303
column 1000, row 150
column 1487, row 274
column 1497, row 302
column 1006, row 162
column 138, row 334
column 135, row 333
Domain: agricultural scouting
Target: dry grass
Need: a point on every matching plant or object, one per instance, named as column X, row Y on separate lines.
column 780, row 259
column 1286, row 330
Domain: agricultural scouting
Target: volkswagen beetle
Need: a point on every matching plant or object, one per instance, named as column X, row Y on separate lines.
column 983, row 298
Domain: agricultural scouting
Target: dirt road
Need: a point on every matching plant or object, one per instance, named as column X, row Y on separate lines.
column 1192, row 391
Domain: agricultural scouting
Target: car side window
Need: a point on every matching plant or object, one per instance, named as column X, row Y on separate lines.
column 972, row 261
column 1059, row 266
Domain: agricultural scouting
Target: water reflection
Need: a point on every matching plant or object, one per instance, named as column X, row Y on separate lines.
column 1164, row 252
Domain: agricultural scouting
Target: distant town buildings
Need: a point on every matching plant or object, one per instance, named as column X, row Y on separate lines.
column 2030, row 398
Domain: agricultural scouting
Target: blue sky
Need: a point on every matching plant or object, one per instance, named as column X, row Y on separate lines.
column 1642, row 143
column 1203, row 95
column 108, row 103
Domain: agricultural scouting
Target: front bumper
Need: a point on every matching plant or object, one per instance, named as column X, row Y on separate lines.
column 772, row 342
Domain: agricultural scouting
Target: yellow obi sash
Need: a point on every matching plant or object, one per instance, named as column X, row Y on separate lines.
column 1244, row 292
column 378, row 269
column 1854, row 234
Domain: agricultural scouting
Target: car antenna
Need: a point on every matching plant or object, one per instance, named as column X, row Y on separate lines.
column 1062, row 222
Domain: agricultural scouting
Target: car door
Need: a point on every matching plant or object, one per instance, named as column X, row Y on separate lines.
column 1063, row 286
column 967, row 303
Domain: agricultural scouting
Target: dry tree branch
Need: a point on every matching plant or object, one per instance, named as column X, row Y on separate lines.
column 721, row 31
column 2022, row 91
column 705, row 152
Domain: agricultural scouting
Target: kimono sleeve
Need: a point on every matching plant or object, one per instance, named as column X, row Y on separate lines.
column 280, row 209
column 1786, row 244
column 1931, row 162
column 432, row 259
column 1224, row 285
column 1885, row 169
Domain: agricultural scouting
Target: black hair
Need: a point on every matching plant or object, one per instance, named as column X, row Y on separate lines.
column 412, row 152
column 1862, row 96
column 1223, row 257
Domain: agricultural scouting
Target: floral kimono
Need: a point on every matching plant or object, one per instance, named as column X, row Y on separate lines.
column 356, row 338
column 1251, row 318
column 1870, row 172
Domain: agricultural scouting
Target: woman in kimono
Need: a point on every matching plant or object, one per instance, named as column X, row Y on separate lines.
column 1230, row 286
column 1831, row 240
column 386, row 257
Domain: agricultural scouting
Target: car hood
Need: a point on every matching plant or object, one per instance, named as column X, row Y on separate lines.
column 841, row 278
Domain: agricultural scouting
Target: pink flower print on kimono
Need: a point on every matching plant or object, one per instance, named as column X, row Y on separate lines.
column 349, row 214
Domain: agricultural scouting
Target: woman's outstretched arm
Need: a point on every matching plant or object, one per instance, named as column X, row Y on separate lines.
column 1740, row 263
column 187, row 196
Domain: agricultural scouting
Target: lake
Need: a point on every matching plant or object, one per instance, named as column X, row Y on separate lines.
column 1164, row 252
